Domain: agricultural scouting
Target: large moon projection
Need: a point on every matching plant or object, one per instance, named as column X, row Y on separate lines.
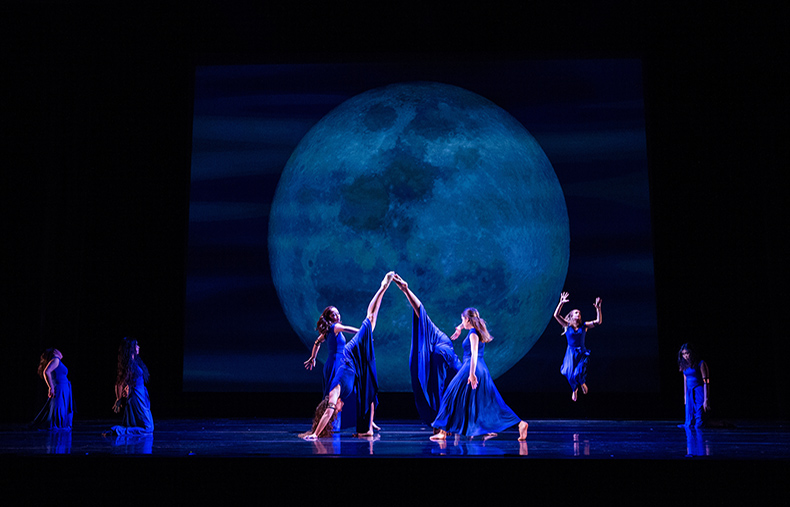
column 440, row 185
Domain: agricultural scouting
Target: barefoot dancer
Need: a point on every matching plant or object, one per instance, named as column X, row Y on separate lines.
column 357, row 372
column 470, row 404
column 574, row 365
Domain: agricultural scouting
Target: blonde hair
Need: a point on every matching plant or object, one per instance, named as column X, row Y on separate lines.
column 479, row 324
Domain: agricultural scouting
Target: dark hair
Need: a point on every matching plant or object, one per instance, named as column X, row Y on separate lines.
column 319, row 413
column 46, row 357
column 325, row 321
column 693, row 359
column 479, row 324
column 127, row 359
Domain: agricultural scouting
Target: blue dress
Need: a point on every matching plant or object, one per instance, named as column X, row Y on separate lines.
column 574, row 364
column 433, row 364
column 357, row 378
column 695, row 397
column 474, row 412
column 336, row 343
column 137, row 419
column 58, row 411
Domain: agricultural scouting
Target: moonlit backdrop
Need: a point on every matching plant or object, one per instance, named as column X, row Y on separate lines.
column 586, row 116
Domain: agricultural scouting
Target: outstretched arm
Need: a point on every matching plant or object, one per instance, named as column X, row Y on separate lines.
column 334, row 404
column 598, row 316
column 559, row 318
column 310, row 363
column 375, row 303
column 404, row 287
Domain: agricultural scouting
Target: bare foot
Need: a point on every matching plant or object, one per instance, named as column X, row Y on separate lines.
column 369, row 433
column 441, row 435
column 488, row 435
column 584, row 388
column 522, row 431
column 575, row 394
column 375, row 426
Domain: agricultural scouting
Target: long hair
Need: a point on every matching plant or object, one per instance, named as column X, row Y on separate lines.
column 693, row 359
column 479, row 324
column 567, row 317
column 46, row 357
column 127, row 359
column 319, row 413
column 325, row 321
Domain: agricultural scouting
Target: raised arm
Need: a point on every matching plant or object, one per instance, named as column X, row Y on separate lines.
column 559, row 318
column 404, row 287
column 598, row 316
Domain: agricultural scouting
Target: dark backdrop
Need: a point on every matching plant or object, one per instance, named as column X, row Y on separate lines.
column 97, row 131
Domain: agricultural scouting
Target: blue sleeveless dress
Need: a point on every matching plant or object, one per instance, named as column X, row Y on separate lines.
column 574, row 364
column 695, row 397
column 336, row 344
column 432, row 362
column 474, row 412
column 357, row 378
column 137, row 418
column 58, row 411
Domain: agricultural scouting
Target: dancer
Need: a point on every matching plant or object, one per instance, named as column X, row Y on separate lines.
column 331, row 328
column 471, row 404
column 131, row 395
column 696, row 386
column 58, row 411
column 355, row 380
column 432, row 360
column 574, row 365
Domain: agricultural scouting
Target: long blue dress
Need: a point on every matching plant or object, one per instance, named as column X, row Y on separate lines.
column 695, row 397
column 357, row 377
column 574, row 364
column 137, row 418
column 58, row 411
column 433, row 364
column 336, row 344
column 474, row 412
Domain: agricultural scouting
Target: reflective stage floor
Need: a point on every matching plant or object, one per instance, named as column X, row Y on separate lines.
column 556, row 451
column 547, row 439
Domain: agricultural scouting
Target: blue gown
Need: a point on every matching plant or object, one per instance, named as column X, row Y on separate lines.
column 433, row 364
column 474, row 412
column 336, row 343
column 137, row 418
column 695, row 397
column 357, row 377
column 58, row 411
column 574, row 364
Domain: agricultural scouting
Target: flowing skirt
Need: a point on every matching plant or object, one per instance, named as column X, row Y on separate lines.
column 358, row 379
column 574, row 366
column 474, row 412
column 432, row 362
column 137, row 418
column 58, row 411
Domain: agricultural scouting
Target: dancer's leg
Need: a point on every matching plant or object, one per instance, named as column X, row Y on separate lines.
column 375, row 303
column 403, row 286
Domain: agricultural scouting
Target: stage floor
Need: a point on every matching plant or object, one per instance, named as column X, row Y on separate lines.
column 277, row 438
